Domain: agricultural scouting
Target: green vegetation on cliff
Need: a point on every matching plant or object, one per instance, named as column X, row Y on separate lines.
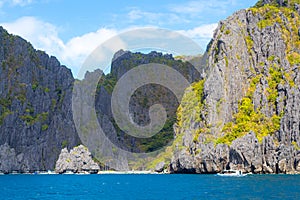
column 250, row 119
column 189, row 109
column 30, row 118
column 5, row 111
column 273, row 14
column 277, row 3
column 144, row 97
column 191, row 105
column 247, row 118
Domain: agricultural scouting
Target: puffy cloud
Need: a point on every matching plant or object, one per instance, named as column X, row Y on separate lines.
column 41, row 34
column 21, row 2
column 196, row 7
column 79, row 48
column 15, row 2
column 204, row 31
column 155, row 18
column 45, row 36
column 201, row 34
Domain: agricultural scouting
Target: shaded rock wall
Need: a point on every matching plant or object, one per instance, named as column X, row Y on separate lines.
column 35, row 106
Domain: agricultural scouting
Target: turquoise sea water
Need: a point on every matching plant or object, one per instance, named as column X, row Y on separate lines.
column 126, row 186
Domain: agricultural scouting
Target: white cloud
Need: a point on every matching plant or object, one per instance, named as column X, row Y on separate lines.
column 155, row 17
column 135, row 14
column 78, row 48
column 15, row 2
column 41, row 34
column 21, row 2
column 44, row 36
column 204, row 31
column 197, row 7
column 201, row 34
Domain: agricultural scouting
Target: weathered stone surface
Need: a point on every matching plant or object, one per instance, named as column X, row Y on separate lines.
column 297, row 163
column 142, row 99
column 245, row 153
column 183, row 163
column 274, row 2
column 209, row 160
column 78, row 160
column 35, row 105
column 282, row 165
column 160, row 167
column 238, row 51
column 9, row 160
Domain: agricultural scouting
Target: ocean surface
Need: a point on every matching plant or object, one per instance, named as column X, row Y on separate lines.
column 135, row 186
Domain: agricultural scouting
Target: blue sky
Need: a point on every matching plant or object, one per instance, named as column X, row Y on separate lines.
column 70, row 30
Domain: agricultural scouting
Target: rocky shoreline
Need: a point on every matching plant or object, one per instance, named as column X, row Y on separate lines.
column 245, row 154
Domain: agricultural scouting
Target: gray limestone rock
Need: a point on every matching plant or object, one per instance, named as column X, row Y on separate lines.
column 238, row 51
column 183, row 163
column 245, row 153
column 160, row 167
column 78, row 160
column 9, row 160
column 35, row 105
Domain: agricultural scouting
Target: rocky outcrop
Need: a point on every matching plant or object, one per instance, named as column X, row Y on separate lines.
column 160, row 167
column 209, row 159
column 35, row 107
column 245, row 154
column 282, row 3
column 78, row 160
column 252, row 67
column 9, row 159
column 139, row 105
column 148, row 95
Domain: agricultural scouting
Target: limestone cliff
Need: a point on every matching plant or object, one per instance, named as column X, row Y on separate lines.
column 241, row 112
column 245, row 113
column 35, row 107
column 141, row 100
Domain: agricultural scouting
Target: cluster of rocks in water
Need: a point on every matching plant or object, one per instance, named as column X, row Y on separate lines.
column 77, row 160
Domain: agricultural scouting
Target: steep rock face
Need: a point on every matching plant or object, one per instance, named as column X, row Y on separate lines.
column 88, row 124
column 150, row 94
column 35, row 106
column 140, row 101
column 123, row 61
column 78, row 160
column 249, row 115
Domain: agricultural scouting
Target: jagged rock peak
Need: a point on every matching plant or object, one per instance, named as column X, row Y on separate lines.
column 122, row 54
column 119, row 53
column 94, row 75
column 78, row 160
column 282, row 3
